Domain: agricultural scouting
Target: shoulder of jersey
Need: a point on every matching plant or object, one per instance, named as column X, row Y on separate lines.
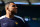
column 2, row 17
column 14, row 15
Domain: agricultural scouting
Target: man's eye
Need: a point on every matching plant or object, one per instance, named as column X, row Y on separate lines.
column 13, row 6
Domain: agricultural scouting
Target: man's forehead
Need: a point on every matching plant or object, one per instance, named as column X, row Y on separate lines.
column 12, row 4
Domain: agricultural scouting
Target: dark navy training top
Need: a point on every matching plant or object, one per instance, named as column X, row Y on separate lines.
column 11, row 22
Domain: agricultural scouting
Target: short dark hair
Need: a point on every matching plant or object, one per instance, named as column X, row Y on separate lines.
column 7, row 4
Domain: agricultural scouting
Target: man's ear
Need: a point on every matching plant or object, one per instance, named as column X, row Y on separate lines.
column 7, row 8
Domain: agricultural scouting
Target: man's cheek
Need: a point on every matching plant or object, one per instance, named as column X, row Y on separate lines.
column 15, row 10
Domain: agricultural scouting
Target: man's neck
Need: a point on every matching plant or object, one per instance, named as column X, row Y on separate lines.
column 9, row 16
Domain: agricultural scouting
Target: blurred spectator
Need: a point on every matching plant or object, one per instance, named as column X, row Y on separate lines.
column 3, row 3
column 2, row 9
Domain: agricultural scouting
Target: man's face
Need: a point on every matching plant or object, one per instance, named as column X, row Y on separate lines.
column 12, row 8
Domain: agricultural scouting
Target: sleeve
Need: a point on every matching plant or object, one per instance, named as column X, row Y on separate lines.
column 26, row 24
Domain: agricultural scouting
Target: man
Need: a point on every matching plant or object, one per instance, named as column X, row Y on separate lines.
column 10, row 20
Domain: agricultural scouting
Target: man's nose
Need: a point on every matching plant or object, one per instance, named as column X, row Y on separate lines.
column 16, row 7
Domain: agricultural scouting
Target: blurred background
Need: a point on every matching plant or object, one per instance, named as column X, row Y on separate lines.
column 27, row 9
column 32, row 1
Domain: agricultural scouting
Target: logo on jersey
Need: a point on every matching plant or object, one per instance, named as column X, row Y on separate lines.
column 4, row 23
column 16, row 22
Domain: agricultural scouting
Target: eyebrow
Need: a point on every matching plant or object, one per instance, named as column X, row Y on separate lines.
column 13, row 5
